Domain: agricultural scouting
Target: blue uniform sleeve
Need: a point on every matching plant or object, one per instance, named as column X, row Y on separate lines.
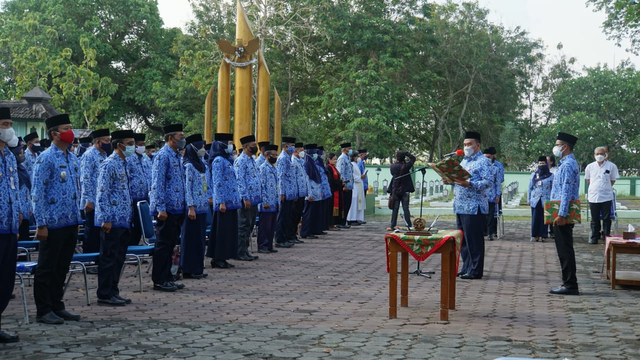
column 281, row 168
column 240, row 166
column 103, row 208
column 190, row 183
column 158, row 179
column 88, row 180
column 42, row 173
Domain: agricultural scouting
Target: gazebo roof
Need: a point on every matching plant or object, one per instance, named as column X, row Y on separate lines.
column 34, row 105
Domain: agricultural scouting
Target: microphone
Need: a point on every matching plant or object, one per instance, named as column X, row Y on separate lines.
column 455, row 153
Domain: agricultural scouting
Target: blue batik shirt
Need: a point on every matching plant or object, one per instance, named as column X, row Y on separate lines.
column 326, row 187
column 167, row 179
column 197, row 189
column 287, row 180
column 539, row 190
column 346, row 170
column 491, row 190
column 25, row 201
column 314, row 189
column 365, row 181
column 225, row 185
column 269, row 185
column 56, row 189
column 209, row 182
column 9, row 200
column 259, row 161
column 566, row 183
column 301, row 176
column 248, row 181
column 29, row 161
column 139, row 178
column 467, row 201
column 90, row 165
column 113, row 199
column 499, row 178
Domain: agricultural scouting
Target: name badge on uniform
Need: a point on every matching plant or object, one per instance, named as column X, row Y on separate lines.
column 63, row 175
column 539, row 183
column 13, row 186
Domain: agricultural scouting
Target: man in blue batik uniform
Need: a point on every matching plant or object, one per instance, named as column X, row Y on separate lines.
column 168, row 204
column 491, row 196
column 113, row 213
column 471, row 206
column 139, row 173
column 346, row 173
column 497, row 190
column 249, row 189
column 262, row 157
column 288, row 185
column 31, row 152
column 297, row 160
column 55, row 193
column 89, row 167
column 363, row 155
column 566, row 187
column 10, row 218
column 270, row 204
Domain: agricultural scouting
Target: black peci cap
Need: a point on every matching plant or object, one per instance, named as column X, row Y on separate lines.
column 172, row 128
column 472, row 135
column 288, row 140
column 262, row 144
column 223, row 137
column 271, row 148
column 345, row 145
column 33, row 135
column 121, row 134
column 100, row 133
column 57, row 120
column 567, row 138
column 5, row 113
column 139, row 137
column 311, row 146
column 194, row 138
column 299, row 145
column 247, row 139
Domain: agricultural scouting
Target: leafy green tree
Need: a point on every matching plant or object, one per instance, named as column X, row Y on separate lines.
column 623, row 21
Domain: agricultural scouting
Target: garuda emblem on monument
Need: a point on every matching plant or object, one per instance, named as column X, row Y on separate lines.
column 240, row 54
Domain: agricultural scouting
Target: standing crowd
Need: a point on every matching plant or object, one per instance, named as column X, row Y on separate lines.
column 103, row 182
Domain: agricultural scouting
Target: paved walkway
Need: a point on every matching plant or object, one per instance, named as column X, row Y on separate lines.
column 328, row 298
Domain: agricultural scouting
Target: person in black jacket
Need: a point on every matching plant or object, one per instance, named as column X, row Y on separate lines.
column 401, row 186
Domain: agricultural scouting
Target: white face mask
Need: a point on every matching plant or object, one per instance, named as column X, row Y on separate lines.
column 600, row 158
column 7, row 135
column 140, row 150
column 557, row 151
column 359, row 160
column 13, row 142
column 301, row 154
column 468, row 151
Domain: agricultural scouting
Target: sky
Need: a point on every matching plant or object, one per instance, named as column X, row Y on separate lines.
column 569, row 22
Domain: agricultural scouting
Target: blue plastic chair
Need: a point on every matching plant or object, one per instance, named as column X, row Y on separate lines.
column 80, row 262
column 24, row 269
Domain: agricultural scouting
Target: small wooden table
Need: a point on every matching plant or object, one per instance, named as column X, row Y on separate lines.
column 446, row 243
column 615, row 245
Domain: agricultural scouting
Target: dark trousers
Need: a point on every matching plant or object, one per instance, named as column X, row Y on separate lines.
column 283, row 221
column 167, row 233
column 600, row 211
column 223, row 238
column 472, row 249
column 24, row 230
column 266, row 230
column 296, row 216
column 113, row 250
column 91, row 243
column 192, row 244
column 404, row 200
column 136, row 227
column 8, row 253
column 491, row 220
column 564, row 246
column 310, row 218
column 53, row 265
column 246, row 222
column 538, row 228
column 327, row 213
column 346, row 205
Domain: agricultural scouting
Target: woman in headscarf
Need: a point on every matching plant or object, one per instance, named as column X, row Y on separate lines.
column 325, row 204
column 358, row 203
column 311, row 223
column 24, row 191
column 336, row 187
column 223, row 238
column 539, row 192
column 192, row 242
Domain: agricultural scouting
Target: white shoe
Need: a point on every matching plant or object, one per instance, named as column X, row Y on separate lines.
column 533, row 239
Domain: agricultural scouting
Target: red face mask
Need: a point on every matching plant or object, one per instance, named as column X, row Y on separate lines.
column 67, row 136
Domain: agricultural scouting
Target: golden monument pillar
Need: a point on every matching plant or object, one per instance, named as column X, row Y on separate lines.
column 262, row 106
column 242, row 114
column 277, row 121
column 224, row 98
column 208, row 117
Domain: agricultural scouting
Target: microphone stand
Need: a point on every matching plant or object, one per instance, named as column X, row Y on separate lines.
column 418, row 271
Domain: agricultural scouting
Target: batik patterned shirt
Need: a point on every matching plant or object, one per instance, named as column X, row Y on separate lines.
column 197, row 189
column 24, row 197
column 301, row 176
column 314, row 189
column 269, row 185
column 346, row 170
column 326, row 187
column 90, row 165
column 248, row 179
column 259, row 161
column 566, row 183
column 539, row 190
column 113, row 199
column 56, row 189
column 29, row 161
column 167, row 179
column 468, row 200
column 499, row 177
column 139, row 178
column 225, row 185
column 491, row 190
column 365, row 181
column 9, row 200
column 287, row 181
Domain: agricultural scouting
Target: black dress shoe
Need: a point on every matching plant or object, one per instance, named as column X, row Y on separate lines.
column 343, row 226
column 562, row 290
column 244, row 258
column 308, row 237
column 255, row 257
column 50, row 318
column 220, row 264
column 165, row 287
column 92, row 271
column 354, row 223
column 322, row 233
column 229, row 265
column 112, row 301
column 470, row 277
column 65, row 315
column 178, row 286
column 263, row 251
column 194, row 276
column 126, row 301
column 6, row 338
column 460, row 273
column 284, row 245
column 273, row 251
column 361, row 222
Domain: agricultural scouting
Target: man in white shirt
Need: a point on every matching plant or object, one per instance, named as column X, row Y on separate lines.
column 600, row 175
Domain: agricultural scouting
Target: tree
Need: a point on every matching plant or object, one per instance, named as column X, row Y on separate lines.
column 623, row 21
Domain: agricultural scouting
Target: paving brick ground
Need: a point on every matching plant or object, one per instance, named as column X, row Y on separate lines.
column 328, row 298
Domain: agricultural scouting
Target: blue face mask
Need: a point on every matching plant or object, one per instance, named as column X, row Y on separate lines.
column 350, row 152
column 129, row 150
column 291, row 149
column 315, row 156
column 229, row 148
